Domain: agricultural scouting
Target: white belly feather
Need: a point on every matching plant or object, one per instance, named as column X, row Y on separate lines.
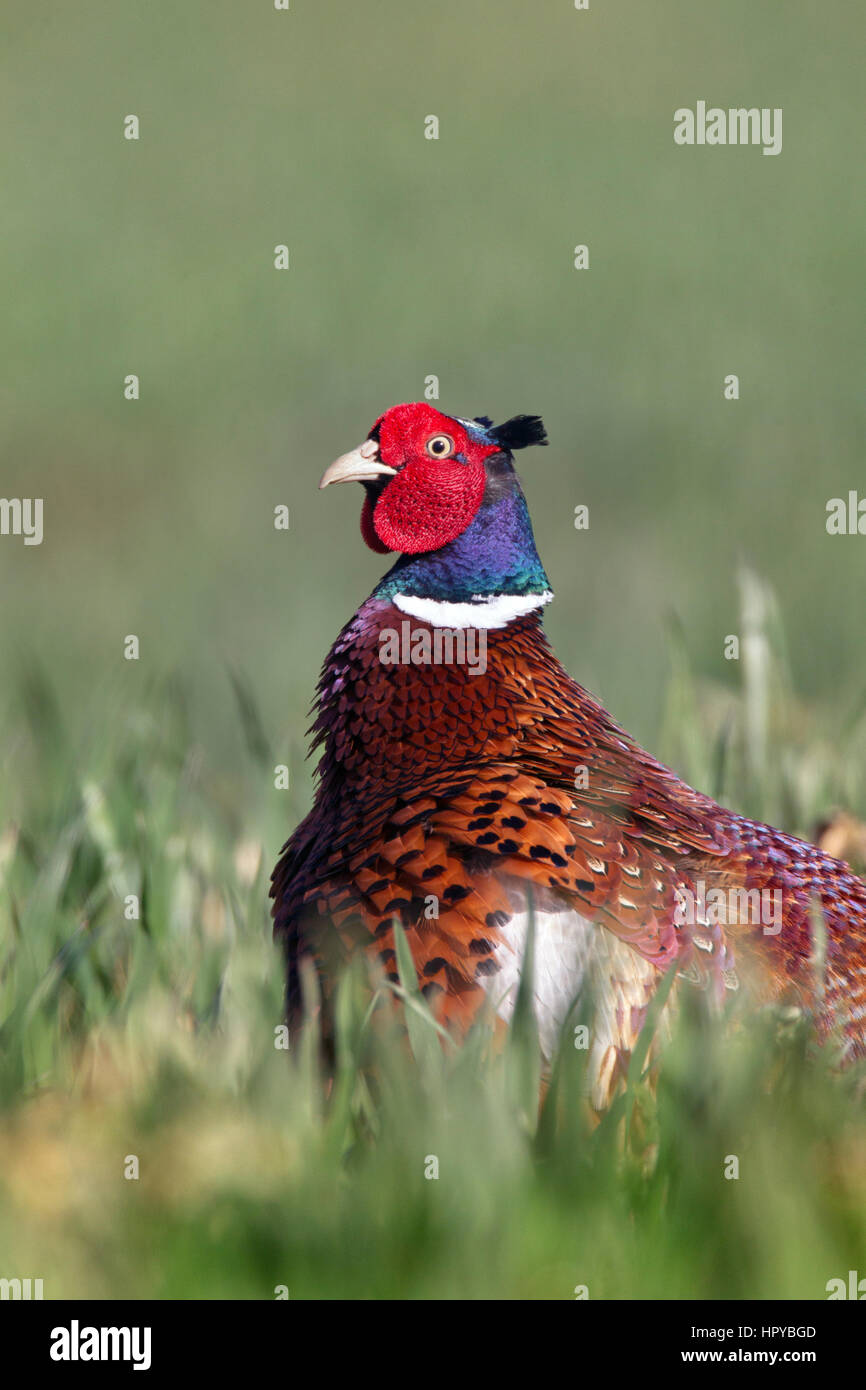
column 563, row 954
column 572, row 951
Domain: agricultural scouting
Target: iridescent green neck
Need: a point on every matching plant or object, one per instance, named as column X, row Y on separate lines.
column 496, row 553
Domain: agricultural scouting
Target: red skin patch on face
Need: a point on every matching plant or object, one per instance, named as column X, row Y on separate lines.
column 368, row 529
column 431, row 500
column 424, row 508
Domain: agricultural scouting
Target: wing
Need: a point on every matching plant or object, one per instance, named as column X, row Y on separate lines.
column 445, row 797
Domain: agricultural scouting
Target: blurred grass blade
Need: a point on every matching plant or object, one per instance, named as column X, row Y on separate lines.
column 421, row 1026
column 257, row 742
column 523, row 1053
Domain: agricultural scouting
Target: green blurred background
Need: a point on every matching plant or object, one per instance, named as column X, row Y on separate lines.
column 411, row 257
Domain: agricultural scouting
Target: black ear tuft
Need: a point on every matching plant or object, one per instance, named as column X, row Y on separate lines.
column 519, row 432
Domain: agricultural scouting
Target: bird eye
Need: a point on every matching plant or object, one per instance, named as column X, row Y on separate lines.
column 440, row 446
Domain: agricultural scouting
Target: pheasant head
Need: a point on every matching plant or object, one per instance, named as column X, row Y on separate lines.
column 443, row 493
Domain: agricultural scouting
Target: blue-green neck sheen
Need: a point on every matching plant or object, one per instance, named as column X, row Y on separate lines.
column 496, row 554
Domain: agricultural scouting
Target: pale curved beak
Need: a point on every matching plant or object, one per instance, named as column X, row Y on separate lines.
column 361, row 465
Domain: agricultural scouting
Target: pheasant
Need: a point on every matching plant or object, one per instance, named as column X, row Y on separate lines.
column 466, row 782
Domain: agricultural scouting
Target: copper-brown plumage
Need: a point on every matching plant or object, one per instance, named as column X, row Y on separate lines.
column 443, row 783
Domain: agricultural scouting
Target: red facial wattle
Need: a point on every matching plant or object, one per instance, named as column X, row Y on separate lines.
column 428, row 504
column 432, row 499
column 368, row 528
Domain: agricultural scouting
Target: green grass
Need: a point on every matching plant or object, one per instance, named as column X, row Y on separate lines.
column 155, row 1038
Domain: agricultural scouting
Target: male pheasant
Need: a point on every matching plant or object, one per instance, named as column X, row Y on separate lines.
column 463, row 773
